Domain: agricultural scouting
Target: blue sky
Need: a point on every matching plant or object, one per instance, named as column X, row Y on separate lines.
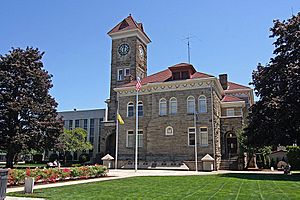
column 227, row 37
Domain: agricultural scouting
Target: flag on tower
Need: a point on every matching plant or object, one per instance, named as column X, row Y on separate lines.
column 138, row 84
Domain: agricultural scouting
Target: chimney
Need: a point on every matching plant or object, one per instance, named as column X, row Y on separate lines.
column 223, row 81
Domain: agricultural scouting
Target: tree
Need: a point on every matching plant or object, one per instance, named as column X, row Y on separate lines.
column 73, row 140
column 275, row 118
column 28, row 117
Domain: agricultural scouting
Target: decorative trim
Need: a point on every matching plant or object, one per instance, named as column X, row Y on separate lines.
column 173, row 86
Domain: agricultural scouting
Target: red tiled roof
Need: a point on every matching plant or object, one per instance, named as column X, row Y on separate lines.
column 161, row 76
column 228, row 98
column 201, row 75
column 128, row 24
column 235, row 86
column 166, row 75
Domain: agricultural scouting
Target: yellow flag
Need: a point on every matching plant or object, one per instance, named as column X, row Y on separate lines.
column 120, row 119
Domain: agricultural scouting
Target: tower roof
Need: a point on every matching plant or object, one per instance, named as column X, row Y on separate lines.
column 128, row 24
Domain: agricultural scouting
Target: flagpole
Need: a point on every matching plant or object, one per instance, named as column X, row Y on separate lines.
column 196, row 152
column 117, row 135
column 136, row 129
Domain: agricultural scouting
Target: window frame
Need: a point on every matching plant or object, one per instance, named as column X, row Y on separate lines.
column 171, row 102
column 140, row 103
column 228, row 110
column 201, row 134
column 189, row 133
column 188, row 99
column 127, row 139
column 120, row 78
column 166, row 130
column 130, row 104
column 125, row 72
column 163, row 101
column 200, row 99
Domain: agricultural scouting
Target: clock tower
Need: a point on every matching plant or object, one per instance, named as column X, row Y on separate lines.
column 128, row 57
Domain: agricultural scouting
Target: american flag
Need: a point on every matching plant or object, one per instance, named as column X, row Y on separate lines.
column 138, row 84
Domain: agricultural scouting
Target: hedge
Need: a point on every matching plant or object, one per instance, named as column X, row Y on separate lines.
column 293, row 155
column 52, row 175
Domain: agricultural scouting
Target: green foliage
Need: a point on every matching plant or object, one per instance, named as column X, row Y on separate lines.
column 73, row 140
column 275, row 118
column 293, row 156
column 28, row 117
column 84, row 158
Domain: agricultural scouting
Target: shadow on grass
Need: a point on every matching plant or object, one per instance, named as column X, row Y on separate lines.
column 272, row 177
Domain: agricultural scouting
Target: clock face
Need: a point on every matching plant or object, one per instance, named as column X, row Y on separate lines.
column 141, row 52
column 123, row 49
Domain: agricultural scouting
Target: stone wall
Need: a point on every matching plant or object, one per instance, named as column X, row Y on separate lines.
column 131, row 61
column 156, row 144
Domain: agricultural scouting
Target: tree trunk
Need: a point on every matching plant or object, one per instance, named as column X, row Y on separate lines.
column 10, row 159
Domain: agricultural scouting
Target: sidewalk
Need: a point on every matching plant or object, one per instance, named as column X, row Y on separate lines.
column 119, row 174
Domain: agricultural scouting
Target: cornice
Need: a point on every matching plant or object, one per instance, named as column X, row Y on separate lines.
column 129, row 33
column 173, row 86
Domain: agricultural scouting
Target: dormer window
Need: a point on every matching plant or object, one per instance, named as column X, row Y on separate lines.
column 181, row 75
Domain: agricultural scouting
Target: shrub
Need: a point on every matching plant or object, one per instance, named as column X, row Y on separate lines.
column 84, row 158
column 293, row 156
column 17, row 176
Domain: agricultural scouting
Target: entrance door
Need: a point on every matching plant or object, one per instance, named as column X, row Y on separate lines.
column 110, row 144
column 231, row 144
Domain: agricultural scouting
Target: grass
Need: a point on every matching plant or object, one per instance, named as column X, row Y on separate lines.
column 229, row 186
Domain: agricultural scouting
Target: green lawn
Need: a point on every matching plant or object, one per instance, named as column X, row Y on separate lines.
column 230, row 186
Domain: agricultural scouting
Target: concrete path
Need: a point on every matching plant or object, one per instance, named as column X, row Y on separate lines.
column 119, row 173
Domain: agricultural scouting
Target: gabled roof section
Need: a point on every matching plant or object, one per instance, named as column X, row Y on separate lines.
column 128, row 24
column 229, row 98
column 235, row 86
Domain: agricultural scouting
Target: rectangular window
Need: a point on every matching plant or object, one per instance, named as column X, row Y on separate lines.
column 230, row 112
column 70, row 124
column 76, row 123
column 92, row 130
column 130, row 139
column 204, row 136
column 85, row 122
column 191, row 132
column 120, row 74
column 140, row 138
column 238, row 112
column 127, row 72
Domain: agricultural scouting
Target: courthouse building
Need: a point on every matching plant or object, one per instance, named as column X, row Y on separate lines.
column 168, row 101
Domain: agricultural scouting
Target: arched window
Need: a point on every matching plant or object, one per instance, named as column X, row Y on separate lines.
column 169, row 130
column 130, row 109
column 140, row 109
column 173, row 106
column 162, row 107
column 190, row 105
column 202, row 104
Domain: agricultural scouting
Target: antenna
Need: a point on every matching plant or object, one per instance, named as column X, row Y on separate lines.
column 188, row 47
column 292, row 9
